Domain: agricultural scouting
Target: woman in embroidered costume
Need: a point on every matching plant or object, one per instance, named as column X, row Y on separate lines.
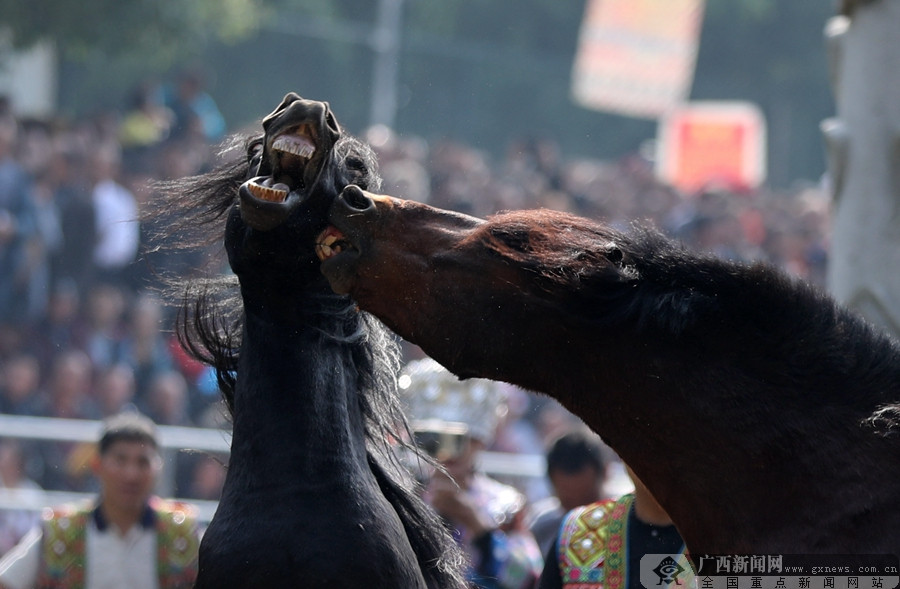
column 128, row 538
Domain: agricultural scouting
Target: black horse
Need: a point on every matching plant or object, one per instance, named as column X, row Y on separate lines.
column 314, row 496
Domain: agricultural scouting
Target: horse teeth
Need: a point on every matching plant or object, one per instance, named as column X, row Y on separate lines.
column 329, row 240
column 323, row 251
column 294, row 144
column 269, row 194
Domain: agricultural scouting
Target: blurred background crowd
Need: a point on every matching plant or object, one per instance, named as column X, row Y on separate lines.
column 86, row 333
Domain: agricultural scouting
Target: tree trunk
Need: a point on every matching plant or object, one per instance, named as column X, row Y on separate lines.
column 863, row 148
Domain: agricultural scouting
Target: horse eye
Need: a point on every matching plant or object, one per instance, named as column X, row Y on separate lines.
column 254, row 151
column 356, row 163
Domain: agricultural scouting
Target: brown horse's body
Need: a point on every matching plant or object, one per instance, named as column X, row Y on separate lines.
column 763, row 416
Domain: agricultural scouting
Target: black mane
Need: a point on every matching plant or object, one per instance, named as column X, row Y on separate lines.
column 645, row 283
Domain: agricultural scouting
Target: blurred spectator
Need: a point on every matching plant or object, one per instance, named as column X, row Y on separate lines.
column 454, row 421
column 60, row 328
column 114, row 391
column 68, row 392
column 17, row 226
column 576, row 468
column 14, row 523
column 116, row 214
column 46, row 245
column 146, row 121
column 20, row 385
column 126, row 537
column 192, row 105
column 167, row 399
column 208, row 478
column 619, row 532
column 166, row 403
column 105, row 328
column 144, row 346
column 75, row 259
column 68, row 396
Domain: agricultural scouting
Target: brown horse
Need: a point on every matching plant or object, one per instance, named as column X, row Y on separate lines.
column 763, row 416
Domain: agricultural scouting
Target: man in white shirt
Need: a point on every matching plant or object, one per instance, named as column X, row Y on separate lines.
column 127, row 539
column 116, row 215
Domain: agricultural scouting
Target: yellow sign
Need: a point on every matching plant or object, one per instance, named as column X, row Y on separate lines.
column 636, row 57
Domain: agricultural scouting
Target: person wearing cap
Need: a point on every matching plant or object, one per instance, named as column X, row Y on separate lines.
column 125, row 538
column 454, row 421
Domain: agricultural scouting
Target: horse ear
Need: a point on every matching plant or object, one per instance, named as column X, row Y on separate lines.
column 614, row 254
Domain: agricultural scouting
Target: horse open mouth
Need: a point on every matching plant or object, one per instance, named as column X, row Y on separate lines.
column 294, row 158
column 331, row 242
column 290, row 154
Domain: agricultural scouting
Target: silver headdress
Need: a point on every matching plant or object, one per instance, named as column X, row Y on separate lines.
column 431, row 393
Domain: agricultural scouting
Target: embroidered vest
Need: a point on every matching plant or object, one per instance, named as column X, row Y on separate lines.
column 63, row 551
column 593, row 547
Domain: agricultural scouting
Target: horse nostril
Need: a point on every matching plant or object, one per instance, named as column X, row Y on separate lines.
column 356, row 198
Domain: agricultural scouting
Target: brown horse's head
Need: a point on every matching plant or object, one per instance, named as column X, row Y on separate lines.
column 381, row 251
column 445, row 280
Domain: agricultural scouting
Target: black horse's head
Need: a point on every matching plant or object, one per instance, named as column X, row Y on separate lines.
column 293, row 173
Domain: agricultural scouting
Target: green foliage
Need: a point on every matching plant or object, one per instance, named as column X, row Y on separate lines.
column 535, row 25
column 158, row 30
column 483, row 71
column 742, row 10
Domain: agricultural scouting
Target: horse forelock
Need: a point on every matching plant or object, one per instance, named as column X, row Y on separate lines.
column 360, row 163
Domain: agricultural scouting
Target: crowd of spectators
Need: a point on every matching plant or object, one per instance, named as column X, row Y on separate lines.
column 84, row 332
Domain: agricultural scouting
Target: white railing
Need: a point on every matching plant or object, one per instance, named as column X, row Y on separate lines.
column 173, row 439
column 86, row 430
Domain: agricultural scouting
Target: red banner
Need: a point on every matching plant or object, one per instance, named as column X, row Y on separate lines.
column 705, row 144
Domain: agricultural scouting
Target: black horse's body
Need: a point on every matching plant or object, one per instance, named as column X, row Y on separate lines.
column 314, row 496
column 301, row 501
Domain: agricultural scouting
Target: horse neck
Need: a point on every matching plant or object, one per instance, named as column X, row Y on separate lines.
column 295, row 413
column 731, row 468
